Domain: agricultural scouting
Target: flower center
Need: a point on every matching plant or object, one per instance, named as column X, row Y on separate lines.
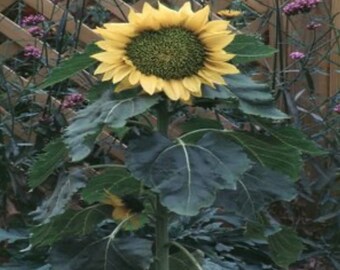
column 169, row 53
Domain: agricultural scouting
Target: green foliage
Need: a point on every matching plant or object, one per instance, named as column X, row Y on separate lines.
column 71, row 223
column 70, row 67
column 129, row 253
column 297, row 139
column 115, row 180
column 185, row 175
column 54, row 154
column 270, row 152
column 67, row 185
column 253, row 98
column 80, row 136
column 256, row 189
column 249, row 48
column 285, row 247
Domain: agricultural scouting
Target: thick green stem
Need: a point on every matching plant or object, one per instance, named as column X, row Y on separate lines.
column 162, row 214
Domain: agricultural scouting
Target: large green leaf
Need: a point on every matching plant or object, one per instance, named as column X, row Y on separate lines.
column 115, row 180
column 81, row 134
column 71, row 223
column 296, row 139
column 285, row 247
column 270, row 152
column 187, row 176
column 129, row 253
column 67, row 185
column 256, row 189
column 54, row 154
column 70, row 67
column 181, row 260
column 254, row 98
column 249, row 48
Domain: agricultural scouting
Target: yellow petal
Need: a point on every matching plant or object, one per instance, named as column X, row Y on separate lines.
column 219, row 56
column 207, row 80
column 103, row 67
column 193, row 84
column 215, row 26
column 120, row 213
column 213, row 76
column 196, row 22
column 113, row 200
column 186, row 10
column 108, row 57
column 172, row 93
column 148, row 83
column 218, row 41
column 134, row 76
column 222, row 68
column 166, row 16
column 125, row 29
column 123, row 85
column 121, row 72
column 133, row 17
column 108, row 75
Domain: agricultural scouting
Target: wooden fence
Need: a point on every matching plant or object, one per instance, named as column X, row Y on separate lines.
column 14, row 38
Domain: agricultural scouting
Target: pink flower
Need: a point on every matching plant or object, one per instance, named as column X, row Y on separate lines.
column 313, row 25
column 36, row 31
column 32, row 52
column 297, row 55
column 336, row 109
column 73, row 100
column 300, row 6
column 32, row 20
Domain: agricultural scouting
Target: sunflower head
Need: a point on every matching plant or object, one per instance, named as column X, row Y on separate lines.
column 168, row 51
column 229, row 13
column 126, row 207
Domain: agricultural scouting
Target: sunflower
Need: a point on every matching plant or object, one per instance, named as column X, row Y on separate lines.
column 229, row 13
column 168, row 51
column 125, row 207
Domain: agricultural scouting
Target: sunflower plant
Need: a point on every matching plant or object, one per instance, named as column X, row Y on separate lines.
column 204, row 149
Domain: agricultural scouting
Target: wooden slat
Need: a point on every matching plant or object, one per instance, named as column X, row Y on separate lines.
column 334, row 73
column 8, row 49
column 5, row 4
column 23, row 38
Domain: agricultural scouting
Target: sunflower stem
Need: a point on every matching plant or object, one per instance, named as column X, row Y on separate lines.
column 162, row 213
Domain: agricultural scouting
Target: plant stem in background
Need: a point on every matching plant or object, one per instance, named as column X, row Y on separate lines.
column 162, row 214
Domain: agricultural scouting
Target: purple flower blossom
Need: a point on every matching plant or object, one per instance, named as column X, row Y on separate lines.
column 36, row 31
column 313, row 25
column 32, row 20
column 300, row 6
column 336, row 109
column 296, row 55
column 73, row 100
column 32, row 52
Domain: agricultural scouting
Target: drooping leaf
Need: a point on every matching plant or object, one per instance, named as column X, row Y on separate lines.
column 256, row 189
column 70, row 67
column 187, row 176
column 81, row 134
column 180, row 260
column 270, row 152
column 12, row 235
column 254, row 98
column 115, row 180
column 249, row 48
column 71, row 223
column 219, row 92
column 54, row 154
column 285, row 247
column 66, row 186
column 130, row 253
column 296, row 139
